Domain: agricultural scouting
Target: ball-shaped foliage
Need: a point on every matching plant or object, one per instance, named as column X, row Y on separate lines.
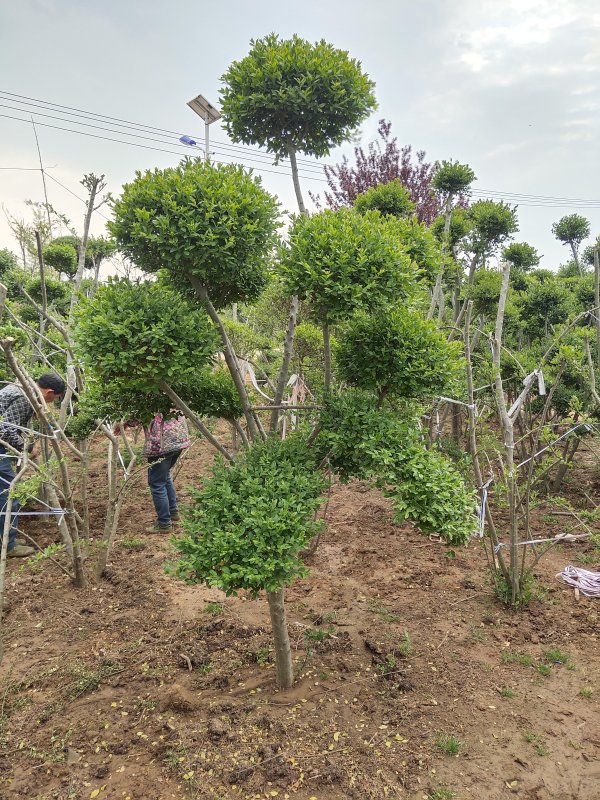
column 292, row 93
column 248, row 524
column 61, row 257
column 485, row 291
column 8, row 260
column 142, row 332
column 390, row 199
column 211, row 393
column 342, row 261
column 399, row 353
column 493, row 223
column 544, row 305
column 523, row 257
column 452, row 178
column 460, row 227
column 58, row 293
column 572, row 229
column 420, row 245
column 208, row 223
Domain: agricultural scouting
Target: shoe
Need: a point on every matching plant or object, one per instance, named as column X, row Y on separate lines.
column 175, row 516
column 22, row 542
column 158, row 528
column 20, row 551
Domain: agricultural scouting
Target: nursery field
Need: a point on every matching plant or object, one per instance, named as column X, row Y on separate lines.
column 413, row 681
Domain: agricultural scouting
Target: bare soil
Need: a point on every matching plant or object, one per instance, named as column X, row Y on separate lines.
column 412, row 680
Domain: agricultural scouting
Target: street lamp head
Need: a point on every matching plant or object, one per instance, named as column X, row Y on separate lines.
column 204, row 109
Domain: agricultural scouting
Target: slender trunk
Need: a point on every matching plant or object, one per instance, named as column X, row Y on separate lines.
column 597, row 301
column 94, row 186
column 294, row 165
column 38, row 241
column 194, row 419
column 111, row 506
column 230, row 359
column 82, row 446
column 283, row 651
column 440, row 276
column 508, row 433
column 472, row 437
column 288, row 350
column 563, row 467
column 327, row 355
column 576, row 258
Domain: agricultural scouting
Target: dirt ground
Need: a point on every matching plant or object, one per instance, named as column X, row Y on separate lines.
column 412, row 681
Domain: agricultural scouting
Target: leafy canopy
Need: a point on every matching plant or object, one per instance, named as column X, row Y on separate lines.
column 523, row 257
column 572, row 229
column 399, row 354
column 210, row 222
column 248, row 524
column 452, row 178
column 493, row 223
column 142, row 332
column 291, row 93
column 390, row 199
column 342, row 261
column 62, row 257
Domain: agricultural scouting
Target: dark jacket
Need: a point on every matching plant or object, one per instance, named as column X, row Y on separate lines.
column 14, row 410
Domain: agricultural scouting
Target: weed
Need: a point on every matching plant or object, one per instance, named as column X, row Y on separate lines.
column 449, row 744
column 323, row 676
column 377, row 607
column 328, row 618
column 88, row 680
column 316, row 634
column 503, row 590
column 388, row 666
column 405, row 647
column 262, row 655
column 441, row 793
column 205, row 667
column 586, row 691
column 133, row 543
column 213, row 608
column 544, row 669
column 556, row 656
column 514, row 657
column 478, row 635
column 587, row 558
column 537, row 741
column 506, row 691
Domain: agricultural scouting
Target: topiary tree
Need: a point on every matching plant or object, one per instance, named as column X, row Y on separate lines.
column 572, row 230
column 398, row 354
column 450, row 180
column 255, row 517
column 493, row 223
column 61, row 257
column 343, row 262
column 390, row 199
column 8, row 261
column 291, row 96
column 210, row 228
column 522, row 256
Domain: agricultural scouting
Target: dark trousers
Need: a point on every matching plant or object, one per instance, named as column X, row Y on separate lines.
column 6, row 477
column 161, row 485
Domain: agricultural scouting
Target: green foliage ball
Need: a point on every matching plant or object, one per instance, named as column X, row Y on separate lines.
column 292, row 93
column 398, row 353
column 249, row 523
column 391, row 199
column 342, row 261
column 142, row 332
column 62, row 257
column 452, row 178
column 210, row 225
column 571, row 229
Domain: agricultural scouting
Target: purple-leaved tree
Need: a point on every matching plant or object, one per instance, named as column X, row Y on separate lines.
column 383, row 161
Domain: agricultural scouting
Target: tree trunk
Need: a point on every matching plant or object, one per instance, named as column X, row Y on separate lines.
column 283, row 651
column 440, row 276
column 288, row 349
column 576, row 258
column 38, row 241
column 327, row 355
column 94, row 185
column 294, row 164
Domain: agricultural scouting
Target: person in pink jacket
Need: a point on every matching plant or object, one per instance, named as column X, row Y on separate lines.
column 165, row 441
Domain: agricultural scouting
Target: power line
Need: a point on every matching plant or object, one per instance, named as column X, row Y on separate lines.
column 148, row 147
column 148, row 133
column 121, row 123
column 260, row 157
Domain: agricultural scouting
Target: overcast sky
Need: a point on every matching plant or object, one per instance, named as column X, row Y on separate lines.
column 509, row 86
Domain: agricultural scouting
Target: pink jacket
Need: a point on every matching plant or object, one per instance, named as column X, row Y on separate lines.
column 166, row 436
